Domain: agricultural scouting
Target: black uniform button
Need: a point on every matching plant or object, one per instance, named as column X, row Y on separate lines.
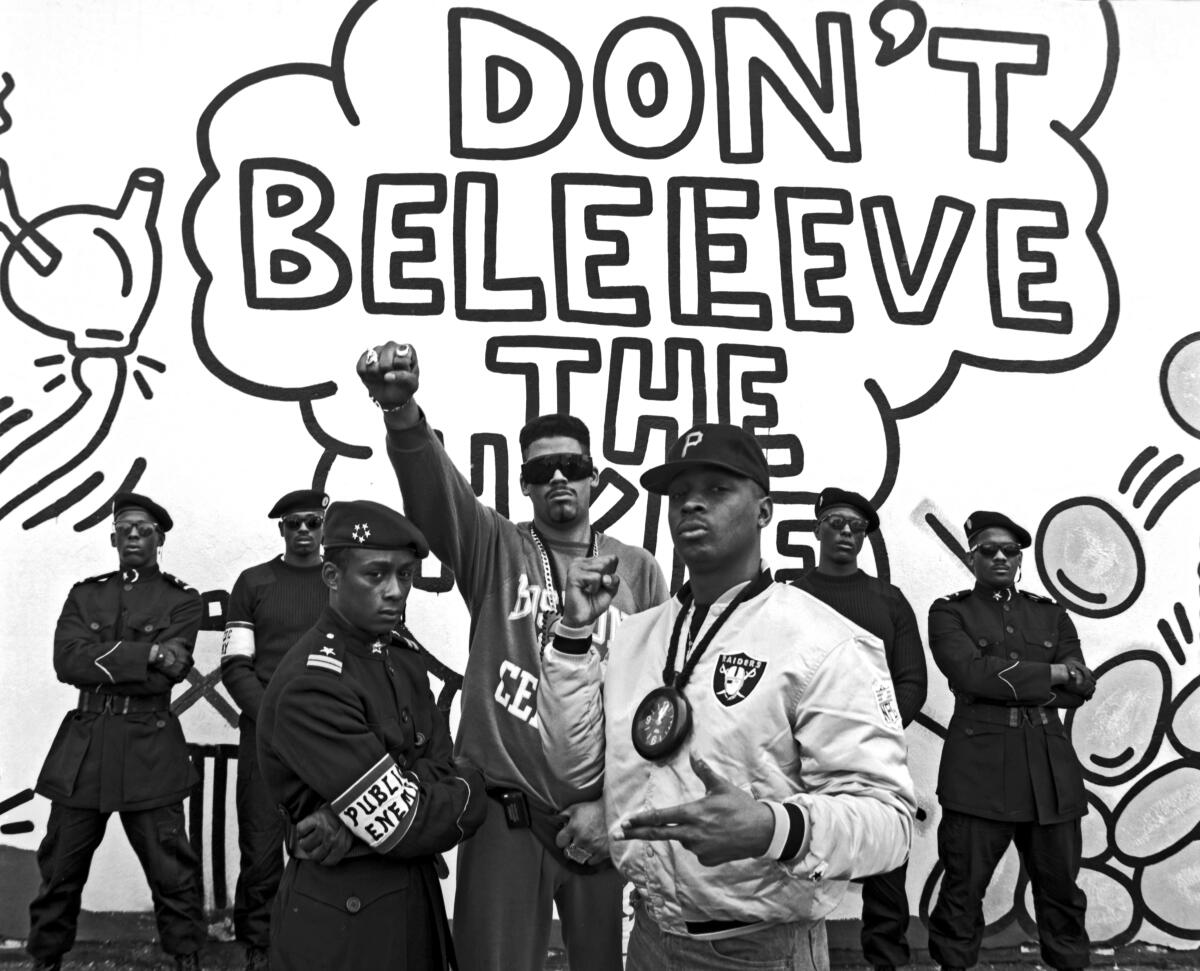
column 1047, row 644
column 1009, row 628
column 94, row 625
column 420, row 738
column 129, row 586
column 1014, row 655
column 353, row 904
column 404, row 715
column 970, row 731
column 983, row 642
column 148, row 628
column 1008, row 607
column 160, row 724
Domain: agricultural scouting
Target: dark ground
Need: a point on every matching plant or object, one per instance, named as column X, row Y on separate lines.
column 219, row 956
column 125, row 942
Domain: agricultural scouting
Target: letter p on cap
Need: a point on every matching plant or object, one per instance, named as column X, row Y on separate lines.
column 693, row 438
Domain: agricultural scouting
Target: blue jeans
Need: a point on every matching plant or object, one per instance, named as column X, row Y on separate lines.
column 800, row 946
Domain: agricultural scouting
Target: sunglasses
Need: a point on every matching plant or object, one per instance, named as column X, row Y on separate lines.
column 837, row 523
column 989, row 550
column 142, row 530
column 309, row 522
column 572, row 465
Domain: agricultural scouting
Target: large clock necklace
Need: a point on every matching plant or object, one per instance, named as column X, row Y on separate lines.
column 663, row 720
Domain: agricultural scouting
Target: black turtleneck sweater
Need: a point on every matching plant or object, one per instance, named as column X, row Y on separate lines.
column 883, row 610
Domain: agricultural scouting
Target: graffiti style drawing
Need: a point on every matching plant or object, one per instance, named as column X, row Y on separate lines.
column 5, row 91
column 12, row 802
column 293, row 261
column 88, row 276
column 1179, row 381
column 900, row 27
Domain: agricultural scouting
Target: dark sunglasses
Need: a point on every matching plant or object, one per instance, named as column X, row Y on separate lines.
column 541, row 470
column 124, row 530
column 989, row 550
column 837, row 523
column 310, row 522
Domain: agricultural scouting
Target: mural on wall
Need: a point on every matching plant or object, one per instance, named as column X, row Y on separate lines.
column 88, row 276
column 826, row 223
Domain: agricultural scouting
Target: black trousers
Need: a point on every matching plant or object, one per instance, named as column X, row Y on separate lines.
column 260, row 843
column 159, row 839
column 885, row 918
column 970, row 848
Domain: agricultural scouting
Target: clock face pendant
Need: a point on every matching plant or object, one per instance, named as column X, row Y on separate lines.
column 661, row 723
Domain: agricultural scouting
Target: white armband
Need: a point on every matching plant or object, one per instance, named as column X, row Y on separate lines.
column 238, row 640
column 380, row 806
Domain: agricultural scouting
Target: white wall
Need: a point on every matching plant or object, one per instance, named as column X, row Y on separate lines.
column 984, row 416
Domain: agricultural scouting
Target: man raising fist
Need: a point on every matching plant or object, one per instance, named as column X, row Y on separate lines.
column 543, row 841
column 751, row 837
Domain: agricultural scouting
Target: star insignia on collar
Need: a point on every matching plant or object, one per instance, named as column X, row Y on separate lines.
column 361, row 532
column 377, row 647
column 328, row 650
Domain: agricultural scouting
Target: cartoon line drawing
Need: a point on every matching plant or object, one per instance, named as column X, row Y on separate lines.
column 5, row 118
column 901, row 28
column 87, row 275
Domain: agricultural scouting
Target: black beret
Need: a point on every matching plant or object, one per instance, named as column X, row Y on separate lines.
column 832, row 496
column 977, row 522
column 131, row 500
column 725, row 447
column 367, row 525
column 299, row 499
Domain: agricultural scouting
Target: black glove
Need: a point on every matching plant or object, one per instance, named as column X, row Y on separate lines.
column 322, row 837
column 1080, row 680
column 174, row 658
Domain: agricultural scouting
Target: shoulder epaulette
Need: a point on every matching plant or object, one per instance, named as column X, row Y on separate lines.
column 402, row 638
column 1035, row 597
column 958, row 595
column 327, row 657
column 171, row 578
column 98, row 578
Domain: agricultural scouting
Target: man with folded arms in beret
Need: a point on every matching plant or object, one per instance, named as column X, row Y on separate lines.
column 124, row 639
column 1009, row 772
column 272, row 604
column 844, row 520
column 543, row 843
column 355, row 752
column 746, row 734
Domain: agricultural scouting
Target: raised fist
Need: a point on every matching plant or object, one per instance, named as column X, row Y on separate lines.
column 591, row 585
column 391, row 373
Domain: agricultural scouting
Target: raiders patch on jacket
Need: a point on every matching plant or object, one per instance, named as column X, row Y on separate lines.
column 735, row 677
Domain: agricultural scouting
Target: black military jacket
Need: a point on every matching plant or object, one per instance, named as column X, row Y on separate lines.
column 348, row 720
column 106, row 760
column 1007, row 755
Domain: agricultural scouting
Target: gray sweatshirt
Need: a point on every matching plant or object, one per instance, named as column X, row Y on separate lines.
column 500, row 575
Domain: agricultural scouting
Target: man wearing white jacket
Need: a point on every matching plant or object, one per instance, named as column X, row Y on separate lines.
column 747, row 736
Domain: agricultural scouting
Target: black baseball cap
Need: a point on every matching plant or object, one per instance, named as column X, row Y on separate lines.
column 712, row 446
column 832, row 496
column 977, row 522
